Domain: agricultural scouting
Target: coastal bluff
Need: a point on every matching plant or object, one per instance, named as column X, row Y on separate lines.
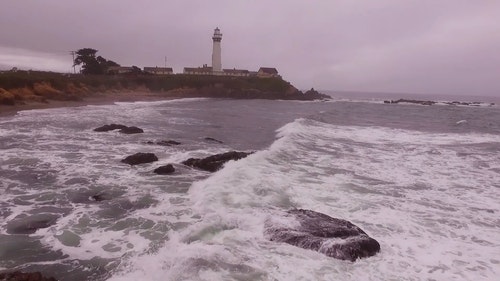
column 28, row 87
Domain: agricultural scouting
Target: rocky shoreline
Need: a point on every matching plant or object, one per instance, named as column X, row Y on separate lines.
column 429, row 102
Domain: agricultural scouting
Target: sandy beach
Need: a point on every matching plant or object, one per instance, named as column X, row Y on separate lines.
column 96, row 99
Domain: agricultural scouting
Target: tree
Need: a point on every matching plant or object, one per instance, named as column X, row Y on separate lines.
column 92, row 64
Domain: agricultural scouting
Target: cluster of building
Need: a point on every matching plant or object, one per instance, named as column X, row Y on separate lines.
column 215, row 69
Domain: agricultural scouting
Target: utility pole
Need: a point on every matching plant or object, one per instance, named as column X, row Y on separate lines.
column 73, row 55
column 165, row 61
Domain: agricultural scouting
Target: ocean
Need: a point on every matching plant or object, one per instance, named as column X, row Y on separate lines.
column 424, row 181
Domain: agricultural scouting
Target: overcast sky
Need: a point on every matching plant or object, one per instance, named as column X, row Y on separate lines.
column 413, row 46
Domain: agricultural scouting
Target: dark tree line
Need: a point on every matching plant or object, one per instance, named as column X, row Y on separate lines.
column 92, row 64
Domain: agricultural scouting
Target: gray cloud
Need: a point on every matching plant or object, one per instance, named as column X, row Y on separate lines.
column 427, row 46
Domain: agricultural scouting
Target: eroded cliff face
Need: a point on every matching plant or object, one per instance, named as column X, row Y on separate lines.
column 20, row 88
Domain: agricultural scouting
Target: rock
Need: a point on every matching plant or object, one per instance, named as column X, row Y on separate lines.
column 110, row 127
column 164, row 142
column 123, row 129
column 30, row 224
column 168, row 143
column 100, row 197
column 164, row 170
column 24, row 276
column 140, row 158
column 213, row 140
column 215, row 162
column 311, row 230
column 315, row 95
column 131, row 130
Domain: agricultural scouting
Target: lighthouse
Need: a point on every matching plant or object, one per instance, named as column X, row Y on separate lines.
column 216, row 52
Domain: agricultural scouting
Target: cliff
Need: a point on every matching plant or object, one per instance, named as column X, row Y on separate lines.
column 31, row 86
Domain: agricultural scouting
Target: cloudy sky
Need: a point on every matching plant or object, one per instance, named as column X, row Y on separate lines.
column 412, row 46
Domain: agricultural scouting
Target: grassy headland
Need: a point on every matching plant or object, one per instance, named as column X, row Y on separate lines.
column 22, row 87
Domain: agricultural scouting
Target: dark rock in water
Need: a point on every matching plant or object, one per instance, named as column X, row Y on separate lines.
column 213, row 140
column 30, row 224
column 100, row 197
column 123, row 129
column 168, row 142
column 215, row 162
column 311, row 230
column 110, row 127
column 140, row 158
column 131, row 130
column 24, row 276
column 164, row 170
column 421, row 102
column 164, row 142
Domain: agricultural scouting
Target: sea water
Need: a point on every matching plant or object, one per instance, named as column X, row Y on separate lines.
column 424, row 181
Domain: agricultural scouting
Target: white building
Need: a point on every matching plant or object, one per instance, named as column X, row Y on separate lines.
column 158, row 70
column 216, row 52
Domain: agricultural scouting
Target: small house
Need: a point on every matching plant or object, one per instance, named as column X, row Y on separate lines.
column 267, row 72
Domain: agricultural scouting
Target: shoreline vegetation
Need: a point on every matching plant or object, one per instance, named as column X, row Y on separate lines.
column 24, row 90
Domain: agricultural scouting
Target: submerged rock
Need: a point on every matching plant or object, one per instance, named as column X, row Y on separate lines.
column 213, row 140
column 140, row 158
column 311, row 230
column 164, row 142
column 123, row 129
column 24, row 276
column 215, row 162
column 30, row 224
column 164, row 170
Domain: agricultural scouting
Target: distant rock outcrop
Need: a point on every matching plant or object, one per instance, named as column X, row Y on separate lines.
column 311, row 230
column 215, row 162
column 421, row 102
column 140, row 158
column 24, row 276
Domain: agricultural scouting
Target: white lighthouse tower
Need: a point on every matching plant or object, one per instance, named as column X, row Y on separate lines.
column 216, row 52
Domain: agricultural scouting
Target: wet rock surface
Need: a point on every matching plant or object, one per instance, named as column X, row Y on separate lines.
column 24, row 276
column 140, row 158
column 131, row 130
column 110, row 127
column 30, row 224
column 123, row 129
column 315, row 231
column 164, row 170
column 215, row 162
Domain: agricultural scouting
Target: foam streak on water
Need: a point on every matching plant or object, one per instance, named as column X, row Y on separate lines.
column 426, row 190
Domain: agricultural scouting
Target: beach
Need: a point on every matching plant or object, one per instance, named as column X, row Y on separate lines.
column 94, row 99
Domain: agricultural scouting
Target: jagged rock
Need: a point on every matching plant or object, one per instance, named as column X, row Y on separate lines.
column 110, row 127
column 164, row 170
column 311, row 230
column 315, row 95
column 140, row 158
column 131, row 130
column 24, row 276
column 215, row 162
column 213, row 140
